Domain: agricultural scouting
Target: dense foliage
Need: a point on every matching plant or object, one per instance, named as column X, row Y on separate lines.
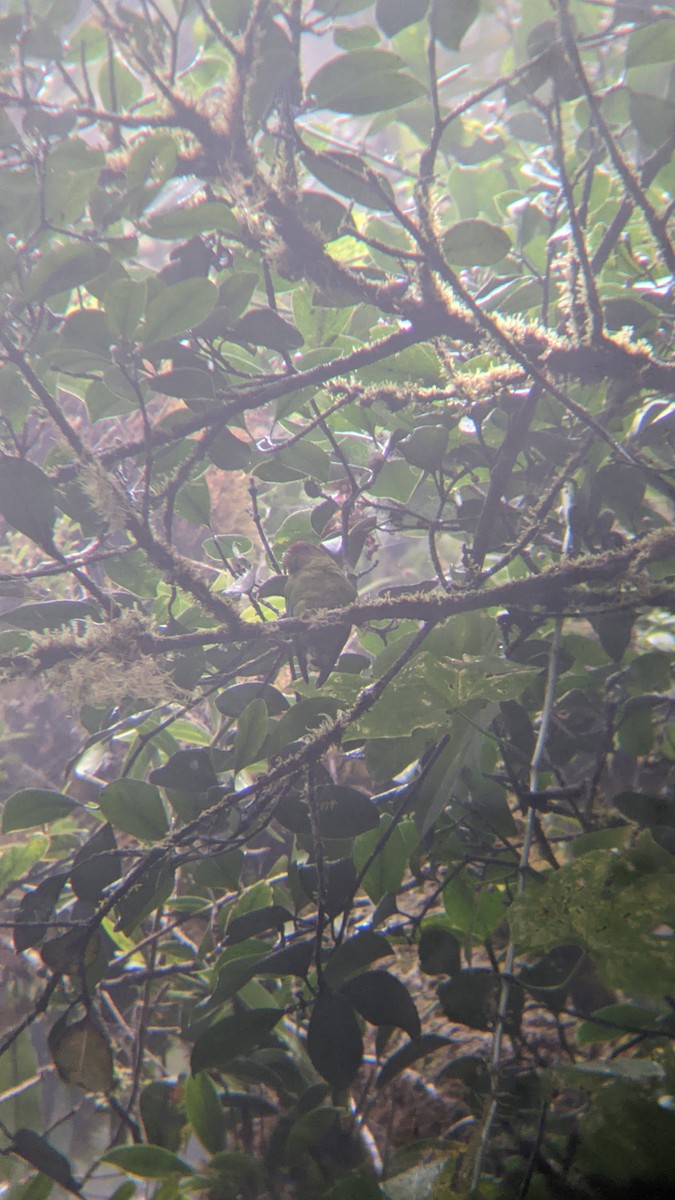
column 392, row 279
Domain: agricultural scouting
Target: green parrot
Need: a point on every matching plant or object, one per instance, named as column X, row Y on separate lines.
column 315, row 581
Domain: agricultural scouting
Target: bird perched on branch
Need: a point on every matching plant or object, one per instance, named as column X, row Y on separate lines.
column 315, row 581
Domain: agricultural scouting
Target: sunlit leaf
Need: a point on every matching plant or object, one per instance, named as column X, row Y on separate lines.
column 147, row 1162
column 653, row 43
column 136, row 807
column 35, row 806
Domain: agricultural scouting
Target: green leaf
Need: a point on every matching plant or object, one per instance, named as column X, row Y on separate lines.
column 316, row 208
column 360, row 38
column 472, row 909
column 37, row 1151
column 650, row 672
column 210, row 216
column 614, row 631
column 471, row 1070
column 322, row 514
column 349, row 176
column 294, row 959
column 233, row 701
column 354, row 954
column 387, row 871
column 472, row 996
column 120, row 92
column 341, row 7
column 27, row 500
column 82, row 1054
column 229, row 545
column 187, row 771
column 234, row 1173
column 449, row 21
column 607, row 902
column 63, row 269
column 344, row 812
column 621, row 490
column 425, row 447
column 382, row 999
column 306, row 459
column 220, row 870
column 194, row 502
column 152, row 162
column 652, row 116
column 147, row 1162
column 363, row 81
column 613, row 838
column 394, row 15
column 178, row 308
column 35, row 806
column 549, row 980
column 439, row 950
column 623, row 1017
column 37, row 907
column 125, row 302
column 235, row 972
column 188, row 383
column 319, row 1126
column 418, row 1048
column 37, row 1188
column 96, row 865
column 300, row 719
column 16, row 860
column 339, row 878
column 259, row 920
column 49, row 614
column 334, row 1041
column 230, row 453
column 134, row 572
column 146, row 896
column 490, row 813
column 41, row 42
column 645, row 809
column 264, row 327
column 205, row 1112
column 635, row 733
column 252, row 729
column 475, row 243
column 233, row 1037
column 135, row 807
column 356, row 1187
column 653, row 43
column 69, row 952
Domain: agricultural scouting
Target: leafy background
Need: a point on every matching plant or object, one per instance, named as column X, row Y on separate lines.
column 396, row 279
